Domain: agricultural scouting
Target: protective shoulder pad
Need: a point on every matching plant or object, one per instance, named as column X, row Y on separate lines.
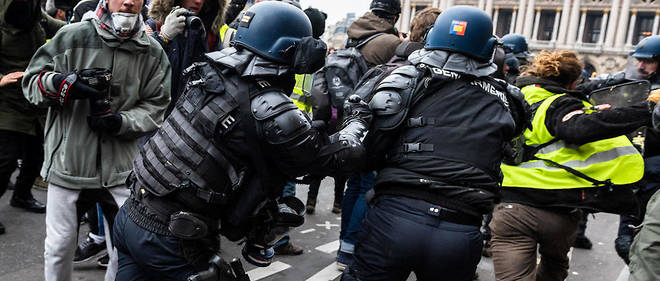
column 270, row 103
column 519, row 108
column 393, row 97
column 401, row 78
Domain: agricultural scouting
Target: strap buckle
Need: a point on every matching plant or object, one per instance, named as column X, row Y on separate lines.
column 415, row 122
column 412, row 147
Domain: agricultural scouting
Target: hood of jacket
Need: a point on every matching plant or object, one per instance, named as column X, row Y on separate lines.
column 4, row 6
column 453, row 62
column 248, row 64
column 367, row 25
column 212, row 13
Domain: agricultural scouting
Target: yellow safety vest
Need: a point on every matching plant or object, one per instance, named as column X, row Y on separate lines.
column 614, row 159
column 301, row 95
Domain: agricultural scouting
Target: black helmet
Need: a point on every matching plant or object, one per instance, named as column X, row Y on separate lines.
column 269, row 28
column 648, row 48
column 392, row 7
column 463, row 29
column 517, row 44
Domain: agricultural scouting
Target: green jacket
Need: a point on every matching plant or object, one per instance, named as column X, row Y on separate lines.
column 645, row 249
column 76, row 156
column 16, row 49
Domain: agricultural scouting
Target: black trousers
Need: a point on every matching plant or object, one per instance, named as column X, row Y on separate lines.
column 340, row 184
column 14, row 146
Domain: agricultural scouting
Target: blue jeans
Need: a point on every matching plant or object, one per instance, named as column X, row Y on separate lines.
column 354, row 208
column 144, row 255
column 400, row 235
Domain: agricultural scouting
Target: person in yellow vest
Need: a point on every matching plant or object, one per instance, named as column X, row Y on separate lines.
column 575, row 156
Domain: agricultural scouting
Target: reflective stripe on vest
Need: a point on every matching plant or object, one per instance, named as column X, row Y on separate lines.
column 301, row 95
column 226, row 32
column 615, row 159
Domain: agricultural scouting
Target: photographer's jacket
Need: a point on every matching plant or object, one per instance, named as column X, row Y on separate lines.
column 76, row 156
column 439, row 127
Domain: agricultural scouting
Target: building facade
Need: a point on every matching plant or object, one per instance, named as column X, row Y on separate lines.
column 602, row 31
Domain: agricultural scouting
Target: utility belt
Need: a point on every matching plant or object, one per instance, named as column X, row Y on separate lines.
column 440, row 211
column 160, row 215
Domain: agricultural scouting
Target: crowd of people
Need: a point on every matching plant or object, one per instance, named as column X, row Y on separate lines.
column 166, row 125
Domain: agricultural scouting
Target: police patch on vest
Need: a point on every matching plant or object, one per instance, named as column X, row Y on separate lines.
column 489, row 88
column 446, row 73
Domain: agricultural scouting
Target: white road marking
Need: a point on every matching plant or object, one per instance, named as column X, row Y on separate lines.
column 330, row 272
column 327, row 225
column 624, row 275
column 307, row 231
column 263, row 272
column 328, row 248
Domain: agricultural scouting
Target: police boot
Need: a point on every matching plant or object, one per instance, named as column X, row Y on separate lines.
column 622, row 247
column 288, row 249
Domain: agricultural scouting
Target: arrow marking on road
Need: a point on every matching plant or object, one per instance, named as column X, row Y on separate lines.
column 327, row 225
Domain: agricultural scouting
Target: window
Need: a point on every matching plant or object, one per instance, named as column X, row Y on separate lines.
column 592, row 27
column 503, row 22
column 643, row 27
column 546, row 24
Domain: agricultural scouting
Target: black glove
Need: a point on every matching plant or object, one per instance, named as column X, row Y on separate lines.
column 69, row 87
column 356, row 108
column 109, row 123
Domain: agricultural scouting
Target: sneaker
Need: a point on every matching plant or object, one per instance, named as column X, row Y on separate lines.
column 288, row 249
column 30, row 205
column 103, row 261
column 336, row 208
column 311, row 206
column 88, row 250
column 343, row 260
column 2, row 229
column 582, row 242
column 258, row 255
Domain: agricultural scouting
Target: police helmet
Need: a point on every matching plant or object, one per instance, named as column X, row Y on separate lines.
column 392, row 7
column 295, row 3
column 648, row 48
column 269, row 28
column 517, row 44
column 463, row 29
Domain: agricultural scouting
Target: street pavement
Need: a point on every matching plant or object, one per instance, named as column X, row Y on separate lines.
column 21, row 248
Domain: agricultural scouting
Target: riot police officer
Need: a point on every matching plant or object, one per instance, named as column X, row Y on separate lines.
column 438, row 129
column 517, row 45
column 222, row 156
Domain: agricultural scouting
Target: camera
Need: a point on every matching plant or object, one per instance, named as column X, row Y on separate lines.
column 192, row 20
column 99, row 79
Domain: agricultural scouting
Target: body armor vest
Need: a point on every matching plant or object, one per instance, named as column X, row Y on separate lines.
column 184, row 153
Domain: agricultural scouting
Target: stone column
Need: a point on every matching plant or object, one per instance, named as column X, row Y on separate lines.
column 563, row 26
column 537, row 19
column 656, row 21
column 489, row 7
column 555, row 26
column 405, row 19
column 481, row 4
column 529, row 15
column 450, row 3
column 520, row 20
column 434, row 4
column 603, row 27
column 631, row 28
column 583, row 18
column 575, row 19
column 513, row 20
column 413, row 10
column 614, row 16
column 623, row 22
column 496, row 16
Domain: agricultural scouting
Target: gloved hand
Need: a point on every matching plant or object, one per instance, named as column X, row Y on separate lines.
column 109, row 123
column 599, row 83
column 174, row 24
column 356, row 108
column 69, row 88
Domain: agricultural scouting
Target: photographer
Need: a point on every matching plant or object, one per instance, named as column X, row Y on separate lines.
column 186, row 29
column 106, row 84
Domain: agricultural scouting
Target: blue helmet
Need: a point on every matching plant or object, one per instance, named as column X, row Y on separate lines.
column 269, row 28
column 517, row 44
column 463, row 29
column 648, row 48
